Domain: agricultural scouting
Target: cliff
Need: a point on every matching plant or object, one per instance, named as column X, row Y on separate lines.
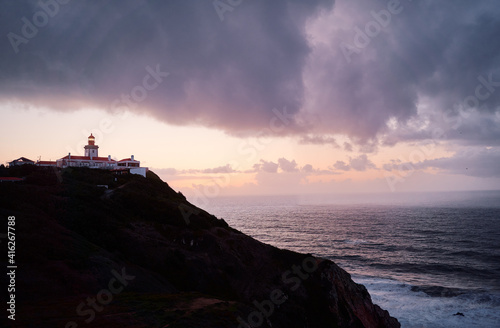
column 138, row 254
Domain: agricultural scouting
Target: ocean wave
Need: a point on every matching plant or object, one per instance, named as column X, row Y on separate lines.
column 434, row 306
column 355, row 241
column 439, row 291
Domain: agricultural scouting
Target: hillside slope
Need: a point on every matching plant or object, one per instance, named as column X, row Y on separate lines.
column 138, row 254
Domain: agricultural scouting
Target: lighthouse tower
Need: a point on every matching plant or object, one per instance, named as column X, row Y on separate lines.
column 91, row 150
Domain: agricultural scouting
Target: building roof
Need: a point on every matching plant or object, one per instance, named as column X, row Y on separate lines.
column 87, row 158
column 22, row 159
column 128, row 160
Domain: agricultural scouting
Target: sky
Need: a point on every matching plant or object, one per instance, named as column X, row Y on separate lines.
column 237, row 97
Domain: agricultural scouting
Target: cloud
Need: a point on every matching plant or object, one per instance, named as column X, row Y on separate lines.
column 221, row 169
column 341, row 165
column 468, row 127
column 166, row 171
column 318, row 140
column 265, row 166
column 472, row 162
column 283, row 166
column 360, row 163
column 227, row 75
column 308, row 168
column 409, row 65
column 216, row 170
column 469, row 161
column 429, row 60
column 287, row 166
column 347, row 146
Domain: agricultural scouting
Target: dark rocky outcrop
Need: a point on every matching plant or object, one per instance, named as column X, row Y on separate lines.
column 186, row 268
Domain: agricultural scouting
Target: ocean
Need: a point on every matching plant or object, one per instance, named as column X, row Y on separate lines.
column 422, row 257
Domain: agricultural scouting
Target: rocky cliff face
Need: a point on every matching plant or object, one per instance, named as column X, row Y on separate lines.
column 139, row 255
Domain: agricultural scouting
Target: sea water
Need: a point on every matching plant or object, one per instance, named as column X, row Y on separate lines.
column 422, row 257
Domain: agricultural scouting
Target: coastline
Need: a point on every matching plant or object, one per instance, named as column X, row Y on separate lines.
column 87, row 253
column 439, row 258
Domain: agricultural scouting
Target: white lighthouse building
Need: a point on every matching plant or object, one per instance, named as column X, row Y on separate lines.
column 92, row 160
column 91, row 150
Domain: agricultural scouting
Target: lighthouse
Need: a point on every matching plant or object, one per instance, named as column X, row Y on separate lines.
column 93, row 161
column 91, row 150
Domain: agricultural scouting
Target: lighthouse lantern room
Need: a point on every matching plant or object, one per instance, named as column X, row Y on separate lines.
column 91, row 150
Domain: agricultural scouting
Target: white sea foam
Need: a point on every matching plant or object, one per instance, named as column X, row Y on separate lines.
column 355, row 241
column 419, row 310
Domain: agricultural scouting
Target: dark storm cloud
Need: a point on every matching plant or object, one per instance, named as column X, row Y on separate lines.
column 432, row 53
column 471, row 127
column 230, row 74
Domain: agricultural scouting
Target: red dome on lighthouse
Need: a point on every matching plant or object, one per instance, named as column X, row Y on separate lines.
column 91, row 140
